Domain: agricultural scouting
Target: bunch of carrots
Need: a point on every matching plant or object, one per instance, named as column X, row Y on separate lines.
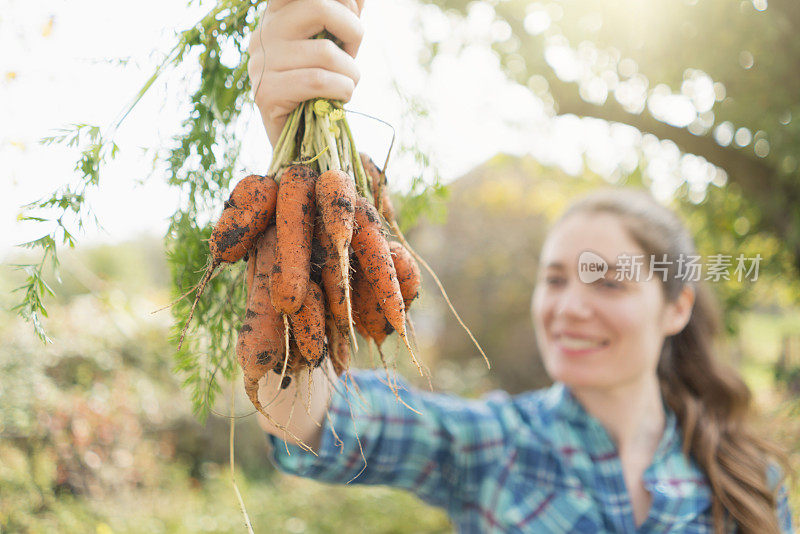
column 319, row 265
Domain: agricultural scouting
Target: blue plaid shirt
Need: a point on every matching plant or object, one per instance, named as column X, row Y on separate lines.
column 535, row 462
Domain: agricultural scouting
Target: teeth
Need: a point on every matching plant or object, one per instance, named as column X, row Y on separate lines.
column 578, row 343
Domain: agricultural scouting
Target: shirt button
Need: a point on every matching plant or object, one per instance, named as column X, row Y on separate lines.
column 661, row 487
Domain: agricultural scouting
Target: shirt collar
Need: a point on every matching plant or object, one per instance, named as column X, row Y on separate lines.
column 568, row 407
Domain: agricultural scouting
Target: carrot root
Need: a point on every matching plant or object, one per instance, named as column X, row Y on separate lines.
column 411, row 352
column 251, row 388
column 345, row 267
column 202, row 286
column 233, row 475
column 393, row 386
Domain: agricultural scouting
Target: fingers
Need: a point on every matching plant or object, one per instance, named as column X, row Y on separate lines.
column 302, row 19
column 303, row 61
column 281, row 91
column 313, row 53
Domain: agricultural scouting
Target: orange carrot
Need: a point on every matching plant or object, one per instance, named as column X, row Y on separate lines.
column 408, row 274
column 334, row 284
column 265, row 252
column 371, row 320
column 294, row 219
column 246, row 214
column 260, row 343
column 357, row 324
column 253, row 192
column 308, row 325
column 380, row 191
column 372, row 252
column 336, row 198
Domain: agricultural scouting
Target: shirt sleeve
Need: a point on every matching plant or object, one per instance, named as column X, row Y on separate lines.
column 440, row 453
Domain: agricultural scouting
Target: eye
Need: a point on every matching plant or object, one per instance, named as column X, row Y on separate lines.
column 609, row 283
column 553, row 280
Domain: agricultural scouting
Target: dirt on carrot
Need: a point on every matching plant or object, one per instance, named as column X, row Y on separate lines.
column 294, row 219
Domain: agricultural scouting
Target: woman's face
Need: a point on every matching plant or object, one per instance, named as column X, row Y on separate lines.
column 603, row 333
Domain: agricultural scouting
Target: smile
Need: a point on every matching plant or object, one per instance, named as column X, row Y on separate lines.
column 573, row 344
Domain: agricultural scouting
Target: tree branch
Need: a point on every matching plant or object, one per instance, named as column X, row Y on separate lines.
column 775, row 198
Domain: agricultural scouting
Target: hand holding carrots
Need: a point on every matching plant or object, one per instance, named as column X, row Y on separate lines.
column 331, row 210
column 287, row 66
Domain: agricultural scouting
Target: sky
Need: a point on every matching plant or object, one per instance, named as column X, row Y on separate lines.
column 83, row 61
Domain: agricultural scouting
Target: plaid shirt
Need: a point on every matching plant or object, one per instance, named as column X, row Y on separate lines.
column 535, row 462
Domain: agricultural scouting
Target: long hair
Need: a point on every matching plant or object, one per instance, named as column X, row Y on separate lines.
column 710, row 399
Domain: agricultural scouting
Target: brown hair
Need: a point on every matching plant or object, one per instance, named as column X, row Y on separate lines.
column 711, row 401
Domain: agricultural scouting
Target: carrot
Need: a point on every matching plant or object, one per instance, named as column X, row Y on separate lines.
column 383, row 201
column 308, row 325
column 247, row 213
column 336, row 198
column 260, row 343
column 371, row 320
column 294, row 220
column 265, row 252
column 340, row 355
column 408, row 274
column 357, row 324
column 372, row 252
column 379, row 190
column 233, row 235
column 335, row 286
column 253, row 192
column 261, row 338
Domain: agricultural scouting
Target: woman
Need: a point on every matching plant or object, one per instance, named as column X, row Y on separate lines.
column 642, row 429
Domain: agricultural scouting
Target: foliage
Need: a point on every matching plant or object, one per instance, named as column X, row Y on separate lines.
column 62, row 211
column 623, row 63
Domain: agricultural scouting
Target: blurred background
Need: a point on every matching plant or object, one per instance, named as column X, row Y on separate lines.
column 504, row 111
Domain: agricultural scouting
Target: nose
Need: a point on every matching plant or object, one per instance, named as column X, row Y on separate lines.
column 574, row 301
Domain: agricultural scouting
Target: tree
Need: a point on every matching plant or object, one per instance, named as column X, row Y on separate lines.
column 735, row 62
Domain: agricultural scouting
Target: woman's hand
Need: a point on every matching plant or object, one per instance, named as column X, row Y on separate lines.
column 287, row 67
